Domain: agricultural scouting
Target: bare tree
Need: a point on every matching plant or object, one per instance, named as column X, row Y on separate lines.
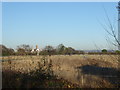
column 111, row 31
column 24, row 49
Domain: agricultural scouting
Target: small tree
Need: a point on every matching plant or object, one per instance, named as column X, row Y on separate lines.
column 70, row 50
column 49, row 49
column 104, row 51
column 23, row 49
column 60, row 49
column 117, row 52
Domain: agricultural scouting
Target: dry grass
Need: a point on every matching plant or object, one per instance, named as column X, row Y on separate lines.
column 88, row 71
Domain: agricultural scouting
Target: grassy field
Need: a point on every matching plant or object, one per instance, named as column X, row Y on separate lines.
column 63, row 71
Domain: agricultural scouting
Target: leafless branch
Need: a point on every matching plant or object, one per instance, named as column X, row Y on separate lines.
column 110, row 29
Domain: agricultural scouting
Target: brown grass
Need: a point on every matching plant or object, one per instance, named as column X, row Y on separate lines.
column 88, row 71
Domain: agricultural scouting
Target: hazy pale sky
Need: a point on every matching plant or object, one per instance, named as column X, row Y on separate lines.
column 72, row 24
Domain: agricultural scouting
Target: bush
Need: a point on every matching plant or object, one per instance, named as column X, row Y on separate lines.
column 104, row 51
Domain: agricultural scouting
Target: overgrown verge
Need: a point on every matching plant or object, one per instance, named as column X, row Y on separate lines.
column 36, row 79
column 40, row 78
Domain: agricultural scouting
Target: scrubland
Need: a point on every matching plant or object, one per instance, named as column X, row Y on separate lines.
column 63, row 71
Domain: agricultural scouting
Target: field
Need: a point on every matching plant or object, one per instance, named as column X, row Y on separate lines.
column 63, row 71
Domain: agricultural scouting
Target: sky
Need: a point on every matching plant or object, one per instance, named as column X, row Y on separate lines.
column 74, row 24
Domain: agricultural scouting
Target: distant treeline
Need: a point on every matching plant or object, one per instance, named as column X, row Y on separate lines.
column 49, row 50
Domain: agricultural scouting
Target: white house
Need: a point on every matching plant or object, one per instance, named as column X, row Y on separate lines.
column 36, row 50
